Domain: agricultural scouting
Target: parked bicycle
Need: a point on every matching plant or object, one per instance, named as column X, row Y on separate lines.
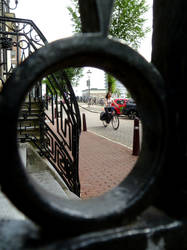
column 110, row 117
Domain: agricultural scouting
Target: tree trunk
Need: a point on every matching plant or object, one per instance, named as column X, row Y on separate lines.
column 111, row 83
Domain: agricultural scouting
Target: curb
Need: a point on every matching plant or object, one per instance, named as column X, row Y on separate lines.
column 92, row 111
column 130, row 148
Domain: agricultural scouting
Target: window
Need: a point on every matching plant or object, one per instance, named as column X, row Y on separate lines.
column 121, row 102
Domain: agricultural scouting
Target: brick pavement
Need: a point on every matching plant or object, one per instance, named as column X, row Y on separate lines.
column 103, row 164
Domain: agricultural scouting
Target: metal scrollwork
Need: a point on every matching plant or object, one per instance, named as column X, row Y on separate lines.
column 7, row 4
column 23, row 38
column 135, row 193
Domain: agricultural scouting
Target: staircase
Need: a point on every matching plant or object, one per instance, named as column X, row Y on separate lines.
column 55, row 138
column 29, row 126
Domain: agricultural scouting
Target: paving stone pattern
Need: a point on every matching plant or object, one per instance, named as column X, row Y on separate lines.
column 103, row 164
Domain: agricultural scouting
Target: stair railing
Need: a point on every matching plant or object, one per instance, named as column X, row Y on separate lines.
column 59, row 122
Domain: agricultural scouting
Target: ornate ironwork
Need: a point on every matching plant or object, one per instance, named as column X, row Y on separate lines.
column 57, row 135
column 129, row 214
column 130, row 197
column 8, row 5
column 6, row 43
column 25, row 38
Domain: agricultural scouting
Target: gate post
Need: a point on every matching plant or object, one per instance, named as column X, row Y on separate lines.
column 84, row 122
column 136, row 137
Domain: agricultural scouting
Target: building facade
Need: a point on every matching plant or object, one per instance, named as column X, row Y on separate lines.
column 94, row 92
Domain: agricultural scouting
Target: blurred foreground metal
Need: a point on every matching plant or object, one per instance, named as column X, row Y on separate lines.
column 148, row 209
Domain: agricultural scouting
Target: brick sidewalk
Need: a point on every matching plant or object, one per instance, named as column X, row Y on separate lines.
column 103, row 164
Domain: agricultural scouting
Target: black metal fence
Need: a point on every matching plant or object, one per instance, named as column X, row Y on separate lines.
column 56, row 138
column 148, row 209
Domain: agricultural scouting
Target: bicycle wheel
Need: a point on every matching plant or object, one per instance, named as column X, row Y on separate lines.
column 115, row 122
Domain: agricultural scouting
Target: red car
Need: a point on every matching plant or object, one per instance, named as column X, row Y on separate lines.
column 121, row 102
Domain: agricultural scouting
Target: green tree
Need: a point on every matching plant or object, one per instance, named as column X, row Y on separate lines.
column 74, row 74
column 111, row 83
column 127, row 22
column 117, row 92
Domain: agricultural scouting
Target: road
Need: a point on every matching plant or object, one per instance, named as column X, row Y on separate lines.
column 123, row 135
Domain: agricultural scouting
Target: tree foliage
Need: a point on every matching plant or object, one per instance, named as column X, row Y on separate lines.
column 111, row 83
column 127, row 23
column 74, row 74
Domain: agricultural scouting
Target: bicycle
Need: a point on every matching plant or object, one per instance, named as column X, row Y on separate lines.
column 113, row 118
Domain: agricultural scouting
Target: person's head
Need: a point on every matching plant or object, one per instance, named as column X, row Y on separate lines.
column 108, row 95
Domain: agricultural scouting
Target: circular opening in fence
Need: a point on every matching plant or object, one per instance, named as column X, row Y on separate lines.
column 107, row 149
column 141, row 79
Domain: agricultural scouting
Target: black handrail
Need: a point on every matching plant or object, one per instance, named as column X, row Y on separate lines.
column 25, row 38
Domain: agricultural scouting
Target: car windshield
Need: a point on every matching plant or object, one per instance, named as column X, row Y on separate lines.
column 121, row 102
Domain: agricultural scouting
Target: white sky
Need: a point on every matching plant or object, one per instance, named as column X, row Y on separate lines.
column 53, row 19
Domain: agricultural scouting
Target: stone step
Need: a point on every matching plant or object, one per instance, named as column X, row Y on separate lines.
column 29, row 118
column 24, row 135
column 43, row 174
column 31, row 104
column 24, row 138
column 28, row 123
column 32, row 112
column 28, row 129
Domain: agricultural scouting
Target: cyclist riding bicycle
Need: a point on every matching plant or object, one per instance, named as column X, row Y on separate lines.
column 109, row 109
column 110, row 115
